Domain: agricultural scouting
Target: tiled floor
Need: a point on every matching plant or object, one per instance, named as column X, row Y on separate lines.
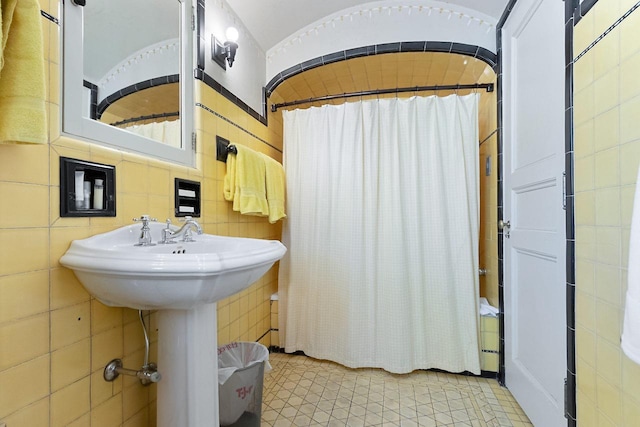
column 301, row 391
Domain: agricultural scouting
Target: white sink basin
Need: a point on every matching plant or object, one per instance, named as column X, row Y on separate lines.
column 168, row 276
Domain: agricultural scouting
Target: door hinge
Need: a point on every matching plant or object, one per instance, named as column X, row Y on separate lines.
column 564, row 190
column 194, row 141
column 193, row 20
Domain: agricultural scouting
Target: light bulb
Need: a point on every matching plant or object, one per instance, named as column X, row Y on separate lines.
column 232, row 34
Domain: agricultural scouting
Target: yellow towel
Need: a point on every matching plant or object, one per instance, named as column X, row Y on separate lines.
column 6, row 15
column 275, row 189
column 244, row 183
column 23, row 117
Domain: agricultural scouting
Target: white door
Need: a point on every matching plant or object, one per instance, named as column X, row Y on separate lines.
column 534, row 244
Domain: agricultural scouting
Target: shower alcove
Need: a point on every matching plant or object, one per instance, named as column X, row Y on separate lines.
column 378, row 72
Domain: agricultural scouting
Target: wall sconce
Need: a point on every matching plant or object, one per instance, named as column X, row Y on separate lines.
column 225, row 51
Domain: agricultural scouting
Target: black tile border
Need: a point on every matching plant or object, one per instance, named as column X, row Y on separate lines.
column 384, row 48
column 500, row 189
column 50, row 17
column 93, row 102
column 146, row 84
column 200, row 40
column 213, row 84
column 580, row 11
column 199, row 73
column 574, row 12
column 231, row 122
column 569, row 201
column 570, row 404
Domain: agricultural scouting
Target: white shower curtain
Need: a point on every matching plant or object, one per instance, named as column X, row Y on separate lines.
column 382, row 231
column 167, row 132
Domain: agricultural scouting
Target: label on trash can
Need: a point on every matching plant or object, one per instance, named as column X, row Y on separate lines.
column 227, row 347
column 239, row 373
column 243, row 392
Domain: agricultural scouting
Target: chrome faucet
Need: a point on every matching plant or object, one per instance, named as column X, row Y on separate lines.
column 190, row 224
column 145, row 233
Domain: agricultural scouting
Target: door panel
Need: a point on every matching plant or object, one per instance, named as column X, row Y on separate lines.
column 534, row 244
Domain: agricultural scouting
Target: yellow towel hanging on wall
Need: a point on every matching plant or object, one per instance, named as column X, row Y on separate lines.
column 6, row 14
column 275, row 184
column 23, row 116
column 244, row 183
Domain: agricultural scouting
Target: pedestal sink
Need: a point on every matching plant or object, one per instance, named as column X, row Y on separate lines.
column 183, row 281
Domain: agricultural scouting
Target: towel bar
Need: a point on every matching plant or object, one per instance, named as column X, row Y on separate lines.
column 223, row 148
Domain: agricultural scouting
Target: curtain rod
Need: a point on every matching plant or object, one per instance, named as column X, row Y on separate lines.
column 487, row 86
column 149, row 117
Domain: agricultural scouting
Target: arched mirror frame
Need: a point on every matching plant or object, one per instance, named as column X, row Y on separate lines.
column 75, row 122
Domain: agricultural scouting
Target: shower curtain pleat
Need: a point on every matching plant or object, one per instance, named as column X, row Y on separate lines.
column 383, row 234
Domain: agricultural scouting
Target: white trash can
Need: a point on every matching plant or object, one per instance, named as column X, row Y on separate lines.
column 241, row 368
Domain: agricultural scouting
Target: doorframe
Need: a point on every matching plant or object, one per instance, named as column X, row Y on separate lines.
column 572, row 8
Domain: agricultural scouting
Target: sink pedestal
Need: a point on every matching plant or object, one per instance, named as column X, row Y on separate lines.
column 188, row 362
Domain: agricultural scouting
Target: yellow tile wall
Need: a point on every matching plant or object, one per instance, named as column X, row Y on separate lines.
column 490, row 343
column 54, row 338
column 607, row 155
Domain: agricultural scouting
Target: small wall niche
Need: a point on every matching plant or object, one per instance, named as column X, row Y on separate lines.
column 86, row 189
column 187, row 195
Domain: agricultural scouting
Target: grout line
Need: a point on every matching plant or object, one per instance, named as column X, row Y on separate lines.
column 607, row 31
column 215, row 113
column 488, row 136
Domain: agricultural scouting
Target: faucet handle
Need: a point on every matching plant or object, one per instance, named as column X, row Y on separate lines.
column 145, row 219
column 145, row 233
column 167, row 232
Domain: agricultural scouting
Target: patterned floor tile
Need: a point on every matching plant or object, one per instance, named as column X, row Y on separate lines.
column 302, row 391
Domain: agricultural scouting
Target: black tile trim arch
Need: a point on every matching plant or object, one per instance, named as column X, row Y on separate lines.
column 157, row 81
column 415, row 46
column 379, row 49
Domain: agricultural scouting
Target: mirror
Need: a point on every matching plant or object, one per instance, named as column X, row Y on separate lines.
column 128, row 79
